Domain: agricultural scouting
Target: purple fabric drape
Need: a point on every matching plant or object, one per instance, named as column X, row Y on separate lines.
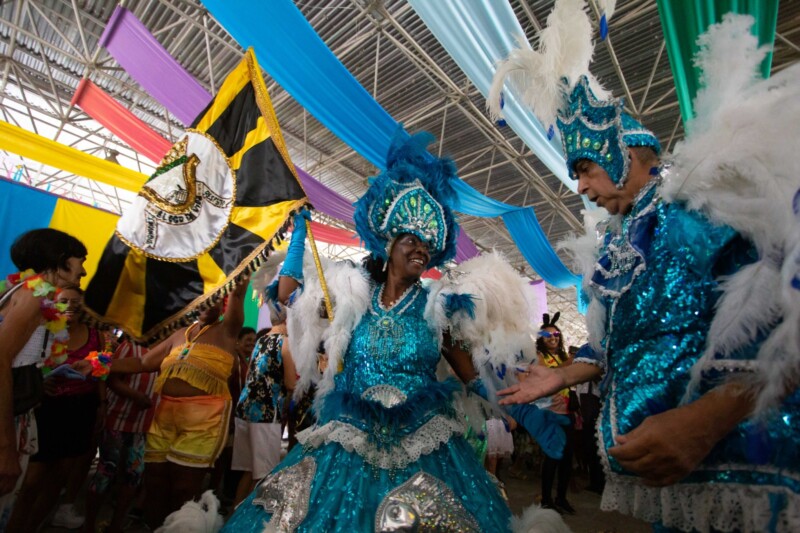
column 325, row 199
column 143, row 57
column 540, row 292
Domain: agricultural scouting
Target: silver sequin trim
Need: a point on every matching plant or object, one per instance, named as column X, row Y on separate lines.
column 386, row 395
column 423, row 503
column 286, row 493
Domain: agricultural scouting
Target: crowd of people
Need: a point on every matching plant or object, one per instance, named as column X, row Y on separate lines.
column 158, row 425
column 399, row 398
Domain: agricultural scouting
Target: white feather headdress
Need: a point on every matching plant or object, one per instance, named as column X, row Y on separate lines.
column 538, row 76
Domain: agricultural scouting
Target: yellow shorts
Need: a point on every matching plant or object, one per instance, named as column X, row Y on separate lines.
column 189, row 431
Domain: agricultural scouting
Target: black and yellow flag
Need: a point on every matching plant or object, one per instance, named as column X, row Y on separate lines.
column 212, row 211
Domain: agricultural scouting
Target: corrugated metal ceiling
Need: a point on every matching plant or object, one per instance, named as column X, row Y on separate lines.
column 46, row 46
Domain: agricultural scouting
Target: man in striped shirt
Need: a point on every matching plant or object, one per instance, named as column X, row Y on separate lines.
column 129, row 412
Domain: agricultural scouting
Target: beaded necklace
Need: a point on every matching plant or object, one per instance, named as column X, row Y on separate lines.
column 386, row 324
column 52, row 312
column 189, row 344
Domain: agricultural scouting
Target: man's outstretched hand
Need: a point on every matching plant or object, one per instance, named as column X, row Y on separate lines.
column 539, row 382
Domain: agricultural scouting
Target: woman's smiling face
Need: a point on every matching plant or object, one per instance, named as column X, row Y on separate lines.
column 410, row 256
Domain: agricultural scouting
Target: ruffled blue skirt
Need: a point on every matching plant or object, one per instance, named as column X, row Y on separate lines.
column 346, row 491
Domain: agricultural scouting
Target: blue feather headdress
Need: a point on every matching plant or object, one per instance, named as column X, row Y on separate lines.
column 413, row 195
column 555, row 82
column 600, row 131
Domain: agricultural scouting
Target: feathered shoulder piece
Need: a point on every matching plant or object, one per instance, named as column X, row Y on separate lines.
column 735, row 166
column 487, row 306
column 309, row 328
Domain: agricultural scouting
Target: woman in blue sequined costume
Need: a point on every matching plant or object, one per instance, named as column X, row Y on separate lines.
column 388, row 450
column 680, row 436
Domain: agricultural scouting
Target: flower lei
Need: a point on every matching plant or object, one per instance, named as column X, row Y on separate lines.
column 52, row 312
column 101, row 363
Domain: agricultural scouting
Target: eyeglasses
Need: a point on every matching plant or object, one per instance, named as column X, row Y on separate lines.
column 547, row 334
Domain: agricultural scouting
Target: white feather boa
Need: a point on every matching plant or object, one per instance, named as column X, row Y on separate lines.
column 500, row 330
column 350, row 295
column 737, row 166
column 584, row 251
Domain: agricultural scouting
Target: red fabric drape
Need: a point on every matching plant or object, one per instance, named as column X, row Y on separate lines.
column 104, row 109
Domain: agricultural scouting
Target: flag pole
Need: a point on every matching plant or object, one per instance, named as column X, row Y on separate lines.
column 322, row 282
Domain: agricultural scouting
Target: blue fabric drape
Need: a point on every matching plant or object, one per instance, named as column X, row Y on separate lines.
column 525, row 231
column 291, row 51
column 22, row 209
column 478, row 34
column 295, row 56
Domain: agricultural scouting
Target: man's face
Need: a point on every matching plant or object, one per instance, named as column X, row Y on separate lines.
column 595, row 183
column 246, row 344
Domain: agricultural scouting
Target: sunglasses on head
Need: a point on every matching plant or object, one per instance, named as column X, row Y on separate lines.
column 547, row 334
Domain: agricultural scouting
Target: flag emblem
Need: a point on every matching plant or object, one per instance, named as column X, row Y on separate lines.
column 213, row 210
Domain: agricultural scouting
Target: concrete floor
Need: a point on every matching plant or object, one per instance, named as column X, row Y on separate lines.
column 521, row 493
column 588, row 517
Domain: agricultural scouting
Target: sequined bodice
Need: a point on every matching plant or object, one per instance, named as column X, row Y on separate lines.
column 391, row 347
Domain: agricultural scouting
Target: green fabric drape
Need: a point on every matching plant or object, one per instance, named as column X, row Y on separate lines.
column 250, row 309
column 684, row 21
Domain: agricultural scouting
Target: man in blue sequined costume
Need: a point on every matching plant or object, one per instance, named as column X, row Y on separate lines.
column 388, row 451
column 685, row 457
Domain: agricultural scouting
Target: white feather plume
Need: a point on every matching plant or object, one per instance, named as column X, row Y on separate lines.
column 535, row 76
column 780, row 354
column 747, row 307
column 501, row 326
column 607, row 7
column 200, row 516
column 737, row 166
column 536, row 519
column 350, row 294
column 583, row 251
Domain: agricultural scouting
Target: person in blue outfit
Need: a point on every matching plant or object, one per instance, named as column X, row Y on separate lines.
column 697, row 430
column 388, row 452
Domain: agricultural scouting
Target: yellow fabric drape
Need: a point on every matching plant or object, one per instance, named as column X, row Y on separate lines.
column 91, row 226
column 26, row 144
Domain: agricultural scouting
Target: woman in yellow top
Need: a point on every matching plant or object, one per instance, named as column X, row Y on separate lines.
column 551, row 353
column 190, row 425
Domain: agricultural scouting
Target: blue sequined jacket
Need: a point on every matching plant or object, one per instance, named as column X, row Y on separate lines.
column 657, row 280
